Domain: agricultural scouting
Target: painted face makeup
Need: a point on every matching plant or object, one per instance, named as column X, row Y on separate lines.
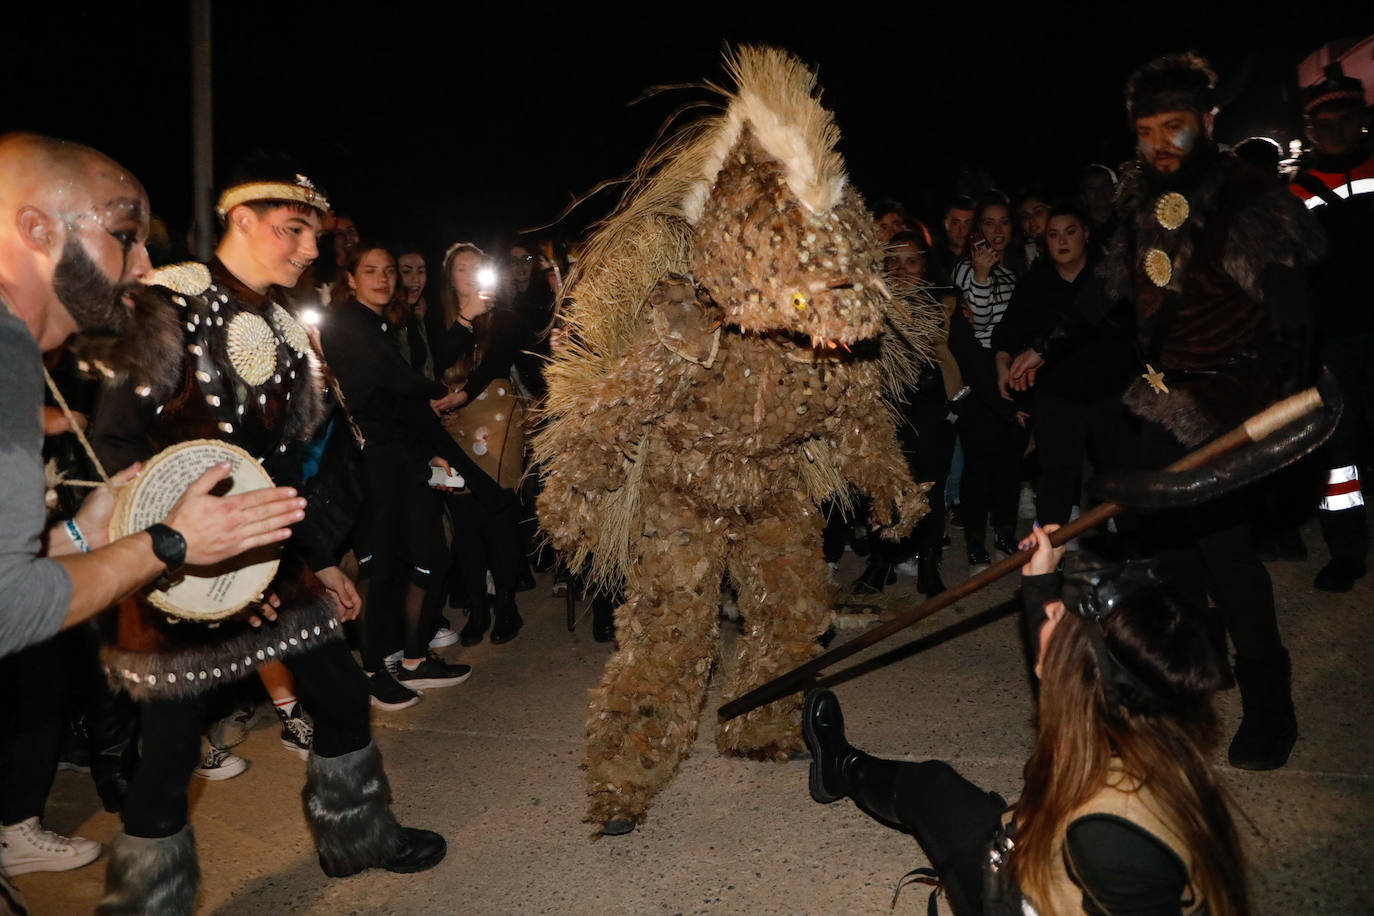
column 1165, row 140
column 285, row 243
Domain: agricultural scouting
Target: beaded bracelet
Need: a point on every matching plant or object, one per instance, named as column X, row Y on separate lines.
column 78, row 539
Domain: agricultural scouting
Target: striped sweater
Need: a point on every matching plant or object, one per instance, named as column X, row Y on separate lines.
column 987, row 303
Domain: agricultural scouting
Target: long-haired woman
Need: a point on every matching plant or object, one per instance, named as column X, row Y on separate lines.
column 473, row 345
column 1120, row 812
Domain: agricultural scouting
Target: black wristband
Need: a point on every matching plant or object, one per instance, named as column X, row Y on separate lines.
column 168, row 546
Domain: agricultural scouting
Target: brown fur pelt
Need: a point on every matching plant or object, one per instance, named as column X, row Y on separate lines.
column 732, row 351
column 1209, row 329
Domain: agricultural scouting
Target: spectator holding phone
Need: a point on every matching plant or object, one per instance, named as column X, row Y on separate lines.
column 991, row 428
column 399, row 538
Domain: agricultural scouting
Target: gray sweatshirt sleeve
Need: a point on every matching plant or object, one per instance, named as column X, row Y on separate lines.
column 35, row 592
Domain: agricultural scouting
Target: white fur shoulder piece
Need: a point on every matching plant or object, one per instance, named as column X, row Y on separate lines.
column 190, row 278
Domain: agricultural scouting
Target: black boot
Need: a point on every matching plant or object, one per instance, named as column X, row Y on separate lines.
column 831, row 754
column 603, row 617
column 347, row 808
column 928, row 581
column 157, row 875
column 508, row 621
column 877, row 575
column 1268, row 726
column 1339, row 575
column 949, row 816
column 479, row 618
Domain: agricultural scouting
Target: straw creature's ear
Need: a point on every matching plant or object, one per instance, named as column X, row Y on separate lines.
column 683, row 324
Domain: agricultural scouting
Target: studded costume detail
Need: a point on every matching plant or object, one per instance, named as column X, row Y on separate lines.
column 213, row 367
column 730, row 339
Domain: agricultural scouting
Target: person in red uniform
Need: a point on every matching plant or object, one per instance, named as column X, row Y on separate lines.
column 1335, row 180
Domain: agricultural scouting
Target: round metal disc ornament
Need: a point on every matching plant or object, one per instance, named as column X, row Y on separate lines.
column 199, row 592
column 1158, row 267
column 252, row 348
column 1171, row 210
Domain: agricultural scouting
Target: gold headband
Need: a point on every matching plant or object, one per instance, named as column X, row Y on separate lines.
column 302, row 192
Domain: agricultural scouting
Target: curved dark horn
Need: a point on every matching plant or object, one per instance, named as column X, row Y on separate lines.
column 1167, row 489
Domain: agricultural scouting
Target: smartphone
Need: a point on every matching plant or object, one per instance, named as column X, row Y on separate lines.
column 980, row 243
column 437, row 478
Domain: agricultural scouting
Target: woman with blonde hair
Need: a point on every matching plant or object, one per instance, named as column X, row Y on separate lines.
column 1120, row 811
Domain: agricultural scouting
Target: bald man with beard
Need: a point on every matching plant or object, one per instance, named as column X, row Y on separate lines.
column 73, row 228
column 73, row 234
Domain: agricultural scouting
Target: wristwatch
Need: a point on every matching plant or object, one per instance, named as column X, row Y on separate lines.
column 168, row 546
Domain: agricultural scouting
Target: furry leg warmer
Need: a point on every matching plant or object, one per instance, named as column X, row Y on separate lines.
column 347, row 805
column 153, row 876
column 784, row 598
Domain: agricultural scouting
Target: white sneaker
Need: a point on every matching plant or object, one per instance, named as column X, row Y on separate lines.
column 220, row 763
column 444, row 636
column 29, row 846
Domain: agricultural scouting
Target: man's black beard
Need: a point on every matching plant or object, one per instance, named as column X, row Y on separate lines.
column 1191, row 168
column 95, row 304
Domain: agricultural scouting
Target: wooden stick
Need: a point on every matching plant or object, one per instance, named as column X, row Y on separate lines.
column 1252, row 430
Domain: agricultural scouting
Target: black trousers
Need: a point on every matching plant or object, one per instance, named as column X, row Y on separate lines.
column 927, row 440
column 483, row 540
column 399, row 541
column 993, row 447
column 31, row 719
column 1066, row 433
column 1351, row 360
column 1210, row 549
column 950, row 817
column 329, row 683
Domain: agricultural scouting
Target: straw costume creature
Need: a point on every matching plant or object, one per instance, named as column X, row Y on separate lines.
column 731, row 338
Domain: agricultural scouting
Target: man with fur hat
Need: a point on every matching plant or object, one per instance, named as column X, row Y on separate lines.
column 1335, row 181
column 222, row 359
column 1210, row 254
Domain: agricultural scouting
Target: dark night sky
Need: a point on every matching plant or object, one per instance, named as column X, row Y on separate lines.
column 433, row 126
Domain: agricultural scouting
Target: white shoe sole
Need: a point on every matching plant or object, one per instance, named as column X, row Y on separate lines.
column 395, row 707
column 428, row 683
column 301, row 752
column 221, row 773
column 11, row 869
column 440, row 642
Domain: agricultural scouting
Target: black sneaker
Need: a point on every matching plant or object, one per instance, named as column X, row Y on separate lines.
column 297, row 731
column 432, row 672
column 388, row 694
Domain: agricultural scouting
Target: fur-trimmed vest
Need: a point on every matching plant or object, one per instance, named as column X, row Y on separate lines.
column 211, row 359
column 1194, row 261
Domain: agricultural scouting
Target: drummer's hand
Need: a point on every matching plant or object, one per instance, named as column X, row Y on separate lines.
column 347, row 602
column 93, row 518
column 217, row 528
column 267, row 610
column 1046, row 558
